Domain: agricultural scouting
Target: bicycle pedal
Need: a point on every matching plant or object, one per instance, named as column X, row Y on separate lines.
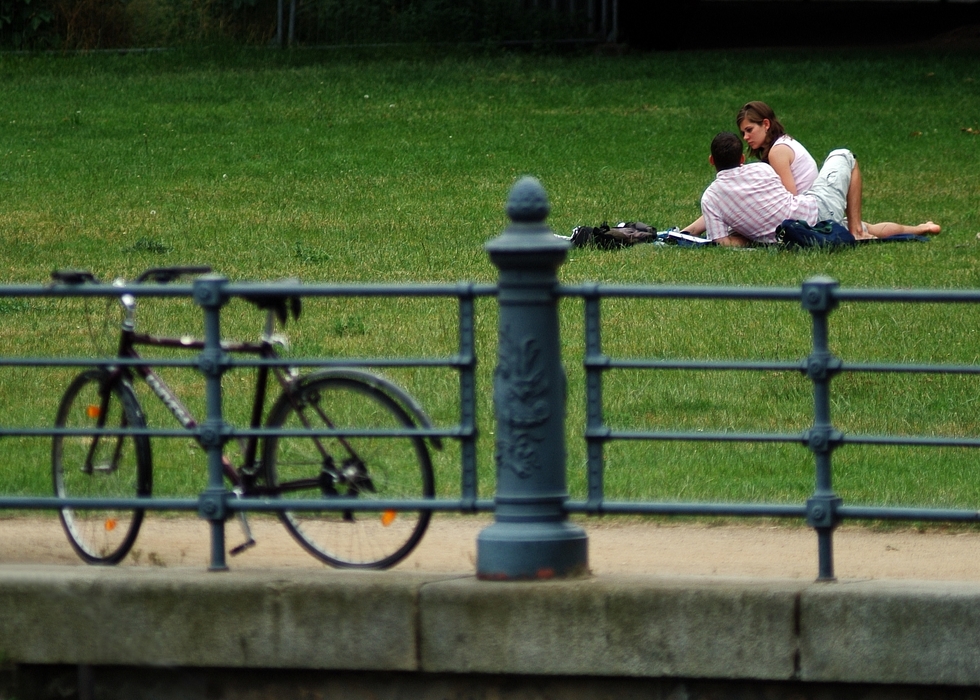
column 247, row 544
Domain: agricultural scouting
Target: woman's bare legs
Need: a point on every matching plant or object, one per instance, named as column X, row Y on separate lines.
column 883, row 229
column 855, row 190
column 888, row 228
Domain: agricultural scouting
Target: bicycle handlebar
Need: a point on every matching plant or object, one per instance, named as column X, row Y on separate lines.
column 73, row 277
column 281, row 305
column 162, row 275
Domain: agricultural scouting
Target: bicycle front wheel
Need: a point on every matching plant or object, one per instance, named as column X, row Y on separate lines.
column 346, row 468
column 100, row 466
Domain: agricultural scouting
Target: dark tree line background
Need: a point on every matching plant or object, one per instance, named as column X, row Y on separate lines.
column 642, row 24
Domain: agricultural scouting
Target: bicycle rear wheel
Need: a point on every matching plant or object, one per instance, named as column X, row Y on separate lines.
column 348, row 467
column 100, row 466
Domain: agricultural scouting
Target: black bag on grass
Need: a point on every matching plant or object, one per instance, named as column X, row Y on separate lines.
column 607, row 237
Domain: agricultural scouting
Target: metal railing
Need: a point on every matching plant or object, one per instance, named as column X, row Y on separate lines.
column 531, row 536
column 212, row 294
column 824, row 510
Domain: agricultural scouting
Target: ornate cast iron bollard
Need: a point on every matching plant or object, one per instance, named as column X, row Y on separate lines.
column 531, row 538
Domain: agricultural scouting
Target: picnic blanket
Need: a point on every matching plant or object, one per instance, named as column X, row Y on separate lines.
column 790, row 234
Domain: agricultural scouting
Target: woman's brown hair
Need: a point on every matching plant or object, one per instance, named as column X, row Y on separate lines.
column 756, row 112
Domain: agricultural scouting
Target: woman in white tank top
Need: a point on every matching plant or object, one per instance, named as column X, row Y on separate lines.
column 768, row 141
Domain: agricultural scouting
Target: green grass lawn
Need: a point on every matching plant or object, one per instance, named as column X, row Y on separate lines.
column 395, row 167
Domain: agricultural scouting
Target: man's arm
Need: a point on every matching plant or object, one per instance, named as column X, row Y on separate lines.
column 712, row 215
column 718, row 226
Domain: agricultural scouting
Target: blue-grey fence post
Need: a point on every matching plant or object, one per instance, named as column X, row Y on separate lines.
column 531, row 537
column 821, row 366
column 209, row 295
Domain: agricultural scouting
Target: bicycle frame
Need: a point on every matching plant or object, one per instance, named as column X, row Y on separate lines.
column 130, row 340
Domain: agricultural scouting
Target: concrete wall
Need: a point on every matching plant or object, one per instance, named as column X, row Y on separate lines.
column 188, row 633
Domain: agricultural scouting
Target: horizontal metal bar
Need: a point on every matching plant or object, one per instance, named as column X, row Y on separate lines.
column 929, row 296
column 448, row 362
column 357, row 504
column 680, row 292
column 243, row 504
column 893, row 513
column 695, row 436
column 88, row 432
column 605, row 362
column 933, row 296
column 96, row 290
column 232, row 432
column 54, row 503
column 910, row 440
column 770, row 511
column 761, row 365
column 450, row 432
column 88, row 362
column 800, row 438
column 253, row 289
column 360, row 290
column 910, row 368
column 714, row 509
column 232, row 362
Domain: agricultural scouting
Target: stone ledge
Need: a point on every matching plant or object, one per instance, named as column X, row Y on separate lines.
column 873, row 632
column 891, row 631
column 183, row 617
column 612, row 626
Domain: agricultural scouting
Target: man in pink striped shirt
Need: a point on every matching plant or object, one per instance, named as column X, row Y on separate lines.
column 746, row 203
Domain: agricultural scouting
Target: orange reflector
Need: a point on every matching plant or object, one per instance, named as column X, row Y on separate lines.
column 92, row 411
column 388, row 517
column 110, row 524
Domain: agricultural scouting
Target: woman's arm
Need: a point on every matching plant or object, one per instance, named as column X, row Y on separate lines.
column 696, row 228
column 781, row 159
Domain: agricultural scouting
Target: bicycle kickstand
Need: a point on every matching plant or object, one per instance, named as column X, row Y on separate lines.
column 246, row 530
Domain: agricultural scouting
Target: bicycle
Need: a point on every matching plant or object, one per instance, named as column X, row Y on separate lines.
column 337, row 467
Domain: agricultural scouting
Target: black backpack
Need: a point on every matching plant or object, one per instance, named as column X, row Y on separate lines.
column 830, row 234
column 800, row 234
column 607, row 237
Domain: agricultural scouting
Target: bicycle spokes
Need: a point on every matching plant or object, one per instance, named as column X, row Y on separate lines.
column 100, row 466
column 363, row 465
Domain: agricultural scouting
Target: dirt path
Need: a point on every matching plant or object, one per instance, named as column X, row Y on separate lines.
column 615, row 547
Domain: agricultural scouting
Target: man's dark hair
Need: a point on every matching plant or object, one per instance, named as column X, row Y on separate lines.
column 726, row 151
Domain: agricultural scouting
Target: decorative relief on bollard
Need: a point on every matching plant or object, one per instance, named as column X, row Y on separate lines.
column 520, row 390
column 531, row 537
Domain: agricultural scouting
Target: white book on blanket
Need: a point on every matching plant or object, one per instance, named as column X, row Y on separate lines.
column 680, row 235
